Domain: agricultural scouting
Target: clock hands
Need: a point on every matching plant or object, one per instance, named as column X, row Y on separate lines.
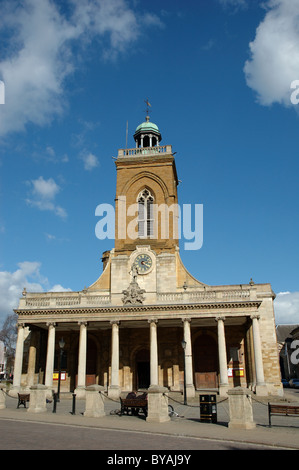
column 143, row 263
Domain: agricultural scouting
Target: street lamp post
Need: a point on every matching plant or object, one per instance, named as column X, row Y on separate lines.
column 61, row 345
column 183, row 343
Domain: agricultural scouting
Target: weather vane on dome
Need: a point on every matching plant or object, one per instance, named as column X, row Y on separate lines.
column 148, row 105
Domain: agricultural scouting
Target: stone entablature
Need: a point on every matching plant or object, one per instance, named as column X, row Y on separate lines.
column 234, row 312
column 140, row 311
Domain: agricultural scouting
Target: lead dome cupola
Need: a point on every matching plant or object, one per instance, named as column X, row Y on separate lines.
column 147, row 134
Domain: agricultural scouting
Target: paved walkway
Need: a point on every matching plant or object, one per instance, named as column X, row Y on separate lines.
column 186, row 422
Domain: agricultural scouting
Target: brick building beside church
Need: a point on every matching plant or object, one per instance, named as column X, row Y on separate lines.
column 125, row 330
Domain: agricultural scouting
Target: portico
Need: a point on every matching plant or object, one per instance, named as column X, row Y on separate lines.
column 160, row 329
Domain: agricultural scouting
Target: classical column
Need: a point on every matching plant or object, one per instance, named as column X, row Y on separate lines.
column 114, row 389
column 19, row 357
column 223, row 386
column 32, row 356
column 154, row 379
column 80, row 390
column 261, row 388
column 190, row 389
column 50, row 355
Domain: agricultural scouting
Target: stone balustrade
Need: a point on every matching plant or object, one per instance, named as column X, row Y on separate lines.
column 145, row 151
column 48, row 300
column 204, row 296
column 32, row 301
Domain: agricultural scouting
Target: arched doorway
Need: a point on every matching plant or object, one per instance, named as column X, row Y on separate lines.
column 142, row 368
column 205, row 352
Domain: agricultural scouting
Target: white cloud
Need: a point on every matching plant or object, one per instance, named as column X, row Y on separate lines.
column 49, row 236
column 90, row 161
column 286, row 308
column 274, row 62
column 37, row 53
column 43, row 193
column 12, row 284
column 33, row 71
column 59, row 288
column 46, row 189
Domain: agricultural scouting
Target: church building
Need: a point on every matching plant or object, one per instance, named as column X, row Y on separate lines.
column 146, row 320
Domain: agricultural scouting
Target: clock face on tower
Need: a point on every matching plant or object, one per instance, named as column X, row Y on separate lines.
column 144, row 263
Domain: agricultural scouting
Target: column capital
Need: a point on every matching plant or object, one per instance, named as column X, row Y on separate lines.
column 84, row 323
column 219, row 318
column 51, row 323
column 114, row 322
column 255, row 316
column 152, row 320
column 21, row 325
column 186, row 319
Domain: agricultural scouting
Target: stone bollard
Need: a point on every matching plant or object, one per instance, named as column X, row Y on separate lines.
column 37, row 403
column 240, row 409
column 2, row 399
column 94, row 407
column 157, row 408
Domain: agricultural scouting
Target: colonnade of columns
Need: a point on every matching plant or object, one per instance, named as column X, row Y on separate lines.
column 114, row 387
column 153, row 140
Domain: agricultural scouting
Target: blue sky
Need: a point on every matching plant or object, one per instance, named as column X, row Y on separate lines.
column 218, row 75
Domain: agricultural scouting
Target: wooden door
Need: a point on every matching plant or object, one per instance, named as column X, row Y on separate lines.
column 205, row 352
column 205, row 380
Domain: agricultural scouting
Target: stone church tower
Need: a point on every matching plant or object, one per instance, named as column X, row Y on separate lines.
column 125, row 331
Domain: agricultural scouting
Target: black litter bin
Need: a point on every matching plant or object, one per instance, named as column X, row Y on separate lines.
column 208, row 408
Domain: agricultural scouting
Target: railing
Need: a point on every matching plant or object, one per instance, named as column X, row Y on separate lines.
column 203, row 296
column 40, row 301
column 81, row 299
column 145, row 151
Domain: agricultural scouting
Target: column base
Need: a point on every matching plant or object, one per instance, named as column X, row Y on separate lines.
column 37, row 403
column 80, row 392
column 261, row 390
column 190, row 391
column 114, row 392
column 223, row 389
column 94, row 402
column 240, row 409
column 157, row 405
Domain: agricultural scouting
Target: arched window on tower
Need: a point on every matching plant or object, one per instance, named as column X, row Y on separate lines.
column 145, row 214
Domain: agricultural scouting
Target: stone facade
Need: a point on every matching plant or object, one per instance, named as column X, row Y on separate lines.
column 124, row 332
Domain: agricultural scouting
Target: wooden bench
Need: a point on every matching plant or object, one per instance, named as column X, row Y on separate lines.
column 23, row 398
column 133, row 405
column 282, row 410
